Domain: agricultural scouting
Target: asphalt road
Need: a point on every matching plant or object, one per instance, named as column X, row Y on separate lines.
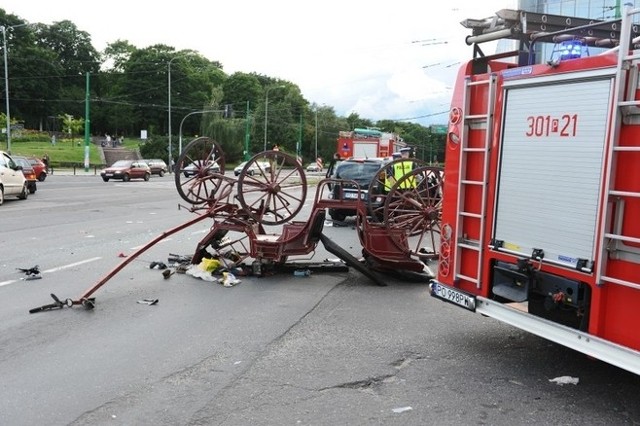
column 329, row 349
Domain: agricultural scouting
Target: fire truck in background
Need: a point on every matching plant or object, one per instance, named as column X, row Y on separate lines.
column 541, row 206
column 368, row 143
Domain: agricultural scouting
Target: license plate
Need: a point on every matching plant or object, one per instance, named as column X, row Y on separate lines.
column 351, row 195
column 452, row 295
column 108, row 174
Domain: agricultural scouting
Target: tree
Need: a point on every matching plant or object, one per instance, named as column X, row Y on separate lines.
column 71, row 125
column 240, row 88
column 116, row 55
column 72, row 46
column 146, row 80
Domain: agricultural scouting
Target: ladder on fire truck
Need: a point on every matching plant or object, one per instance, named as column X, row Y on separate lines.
column 626, row 84
column 475, row 122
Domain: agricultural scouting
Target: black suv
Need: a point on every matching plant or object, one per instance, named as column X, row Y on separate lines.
column 361, row 171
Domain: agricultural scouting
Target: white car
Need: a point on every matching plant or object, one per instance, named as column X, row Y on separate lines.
column 199, row 166
column 314, row 167
column 12, row 180
column 256, row 167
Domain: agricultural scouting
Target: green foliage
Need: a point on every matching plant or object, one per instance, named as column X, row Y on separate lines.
column 156, row 148
column 129, row 91
column 64, row 152
column 71, row 125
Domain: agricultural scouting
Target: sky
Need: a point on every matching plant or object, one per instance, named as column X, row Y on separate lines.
column 394, row 60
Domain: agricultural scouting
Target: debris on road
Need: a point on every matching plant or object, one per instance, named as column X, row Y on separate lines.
column 228, row 279
column 157, row 265
column 401, row 409
column 565, row 380
column 32, row 273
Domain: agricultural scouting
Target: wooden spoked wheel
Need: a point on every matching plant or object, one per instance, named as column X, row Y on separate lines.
column 199, row 170
column 414, row 205
column 381, row 184
column 275, row 189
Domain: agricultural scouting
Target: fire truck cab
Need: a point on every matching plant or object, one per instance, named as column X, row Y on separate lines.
column 367, row 143
column 541, row 207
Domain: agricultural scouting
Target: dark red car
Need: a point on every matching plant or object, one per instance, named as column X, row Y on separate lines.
column 39, row 167
column 27, row 171
column 127, row 170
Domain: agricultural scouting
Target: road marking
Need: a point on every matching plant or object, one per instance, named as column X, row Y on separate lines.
column 59, row 268
column 164, row 240
column 71, row 265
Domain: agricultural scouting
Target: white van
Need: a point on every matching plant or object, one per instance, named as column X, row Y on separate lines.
column 12, row 180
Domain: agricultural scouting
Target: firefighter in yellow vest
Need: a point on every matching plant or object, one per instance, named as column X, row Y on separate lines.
column 388, row 175
column 402, row 168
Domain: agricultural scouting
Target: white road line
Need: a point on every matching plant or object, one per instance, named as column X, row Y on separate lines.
column 59, row 268
column 159, row 242
column 71, row 265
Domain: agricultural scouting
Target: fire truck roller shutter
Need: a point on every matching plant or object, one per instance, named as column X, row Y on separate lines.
column 551, row 165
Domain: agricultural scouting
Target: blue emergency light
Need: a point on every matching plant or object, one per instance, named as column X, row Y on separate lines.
column 571, row 49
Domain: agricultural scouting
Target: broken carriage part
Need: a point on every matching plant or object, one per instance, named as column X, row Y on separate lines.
column 157, row 265
column 89, row 302
column 264, row 200
column 59, row 304
column 34, row 270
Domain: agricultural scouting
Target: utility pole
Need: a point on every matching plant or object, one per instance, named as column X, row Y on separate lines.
column 87, row 123
column 299, row 142
column 316, row 158
column 246, row 136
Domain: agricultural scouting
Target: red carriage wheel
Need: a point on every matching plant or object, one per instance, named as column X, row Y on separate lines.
column 414, row 207
column 199, row 171
column 275, row 191
column 381, row 184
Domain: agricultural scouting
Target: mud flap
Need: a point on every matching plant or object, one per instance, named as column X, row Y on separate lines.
column 349, row 260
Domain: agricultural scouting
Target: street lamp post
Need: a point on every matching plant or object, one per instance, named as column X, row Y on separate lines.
column 6, row 80
column 169, row 102
column 266, row 109
column 6, row 85
column 185, row 117
column 316, row 133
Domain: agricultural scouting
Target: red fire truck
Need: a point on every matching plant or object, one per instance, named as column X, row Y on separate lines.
column 541, row 205
column 368, row 143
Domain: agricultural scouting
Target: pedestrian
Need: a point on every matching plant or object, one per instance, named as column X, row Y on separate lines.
column 45, row 160
column 276, row 148
column 53, row 140
column 389, row 178
column 403, row 167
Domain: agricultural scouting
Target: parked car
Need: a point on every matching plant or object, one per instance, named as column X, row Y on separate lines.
column 28, row 172
column 12, row 181
column 314, row 167
column 158, row 167
column 126, row 170
column 199, row 166
column 361, row 171
column 39, row 167
column 255, row 167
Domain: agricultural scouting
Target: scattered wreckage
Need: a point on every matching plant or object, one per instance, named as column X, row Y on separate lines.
column 398, row 226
